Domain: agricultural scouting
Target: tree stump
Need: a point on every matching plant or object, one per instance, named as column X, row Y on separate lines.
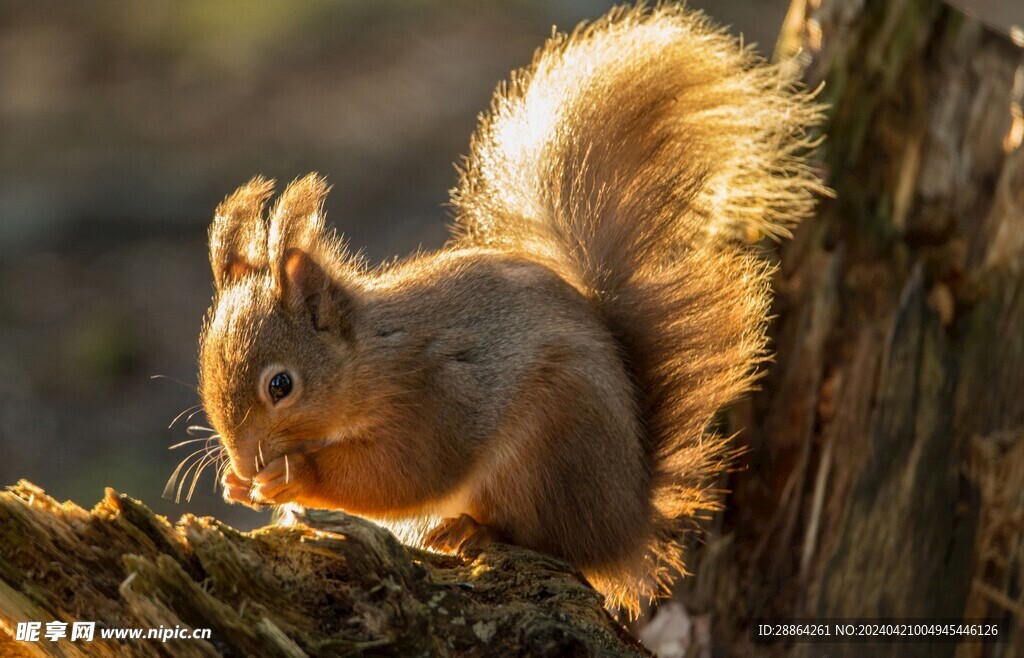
column 885, row 468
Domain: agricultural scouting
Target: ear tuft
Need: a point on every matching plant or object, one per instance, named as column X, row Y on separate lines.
column 297, row 221
column 304, row 260
column 238, row 235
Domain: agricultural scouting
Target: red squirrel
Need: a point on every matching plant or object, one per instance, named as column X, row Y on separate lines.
column 548, row 379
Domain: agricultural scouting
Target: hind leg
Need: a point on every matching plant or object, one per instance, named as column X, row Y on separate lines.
column 455, row 535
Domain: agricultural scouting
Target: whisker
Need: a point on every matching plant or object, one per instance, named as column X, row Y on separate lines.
column 184, row 477
column 178, row 417
column 202, row 438
column 176, row 381
column 259, row 446
column 287, row 471
column 169, row 487
column 200, row 428
column 222, row 465
column 197, row 411
column 211, row 458
column 275, row 427
column 202, row 464
column 247, row 412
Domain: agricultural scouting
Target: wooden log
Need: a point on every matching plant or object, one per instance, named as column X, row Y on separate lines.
column 328, row 585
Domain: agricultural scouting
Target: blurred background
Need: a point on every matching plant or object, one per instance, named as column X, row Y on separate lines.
column 123, row 124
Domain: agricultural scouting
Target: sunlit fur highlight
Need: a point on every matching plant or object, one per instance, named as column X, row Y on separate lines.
column 635, row 155
column 638, row 159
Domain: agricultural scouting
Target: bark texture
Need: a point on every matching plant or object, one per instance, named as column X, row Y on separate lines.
column 330, row 585
column 885, row 471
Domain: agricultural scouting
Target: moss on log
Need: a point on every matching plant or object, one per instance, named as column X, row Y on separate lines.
column 328, row 585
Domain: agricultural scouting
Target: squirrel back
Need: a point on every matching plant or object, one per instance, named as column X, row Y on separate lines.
column 551, row 378
column 640, row 156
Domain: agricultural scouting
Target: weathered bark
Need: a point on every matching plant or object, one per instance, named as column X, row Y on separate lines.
column 885, row 472
column 345, row 588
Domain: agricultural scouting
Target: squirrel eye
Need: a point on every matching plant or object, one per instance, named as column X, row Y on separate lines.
column 280, row 386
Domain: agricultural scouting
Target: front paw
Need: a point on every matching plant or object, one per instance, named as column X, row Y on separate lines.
column 236, row 488
column 285, row 479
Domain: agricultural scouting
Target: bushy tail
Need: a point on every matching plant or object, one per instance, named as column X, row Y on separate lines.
column 638, row 156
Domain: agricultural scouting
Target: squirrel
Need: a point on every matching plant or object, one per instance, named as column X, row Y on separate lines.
column 549, row 378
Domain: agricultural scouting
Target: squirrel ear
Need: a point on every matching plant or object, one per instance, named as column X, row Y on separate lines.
column 238, row 235
column 301, row 256
column 297, row 221
column 307, row 287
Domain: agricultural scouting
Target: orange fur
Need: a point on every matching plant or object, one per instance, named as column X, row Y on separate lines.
column 550, row 377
